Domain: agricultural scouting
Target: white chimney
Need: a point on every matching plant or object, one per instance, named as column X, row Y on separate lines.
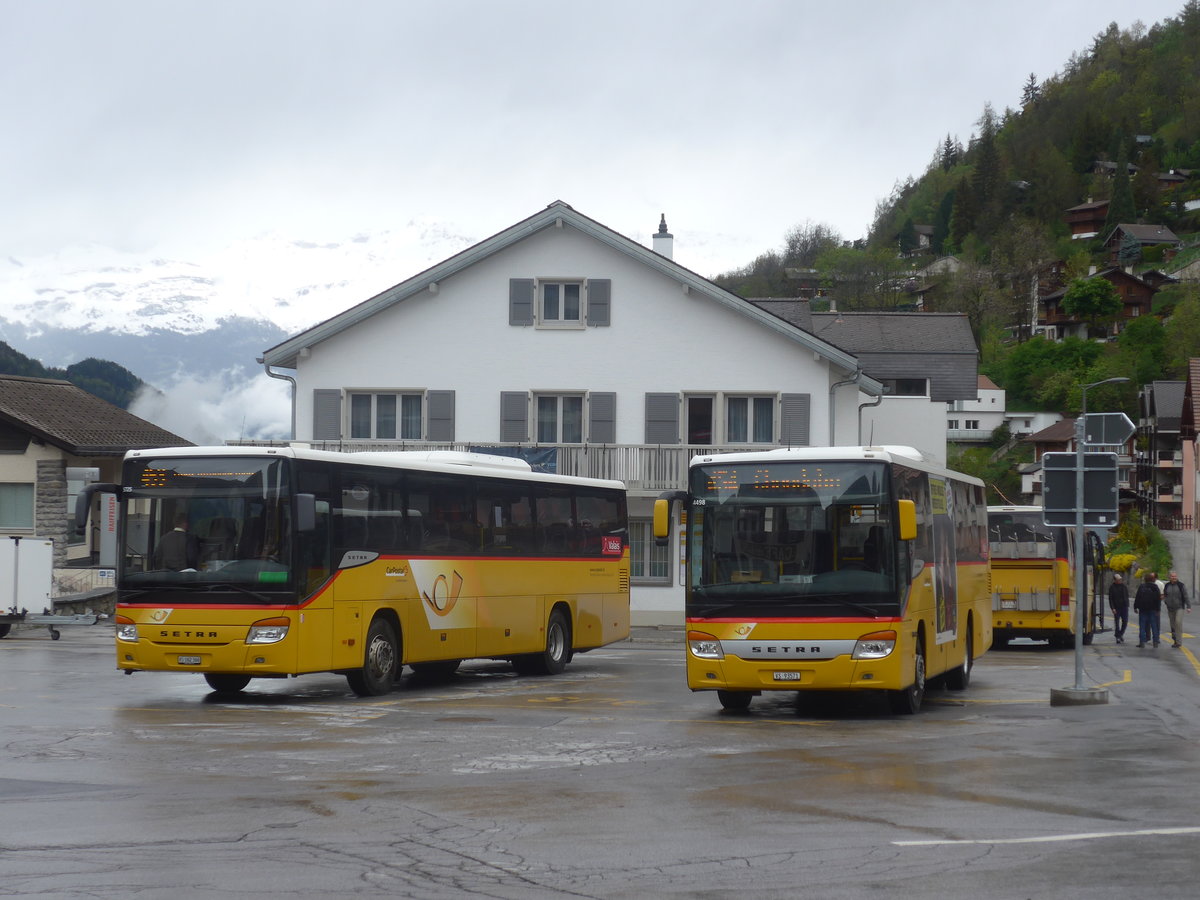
column 664, row 241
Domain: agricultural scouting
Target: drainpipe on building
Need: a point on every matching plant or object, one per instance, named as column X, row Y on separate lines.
column 861, row 407
column 292, row 382
column 832, row 388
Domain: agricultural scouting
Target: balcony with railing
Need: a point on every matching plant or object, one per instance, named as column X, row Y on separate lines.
column 643, row 468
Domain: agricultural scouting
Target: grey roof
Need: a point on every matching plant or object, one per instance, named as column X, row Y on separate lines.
column 557, row 214
column 73, row 420
column 1164, row 403
column 1146, row 234
column 883, row 332
column 888, row 345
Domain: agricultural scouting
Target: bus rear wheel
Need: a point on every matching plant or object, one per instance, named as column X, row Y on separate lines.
column 557, row 654
column 227, row 684
column 908, row 700
column 437, row 670
column 380, row 662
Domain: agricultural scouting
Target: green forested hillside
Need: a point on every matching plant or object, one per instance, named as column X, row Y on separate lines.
column 104, row 379
column 997, row 204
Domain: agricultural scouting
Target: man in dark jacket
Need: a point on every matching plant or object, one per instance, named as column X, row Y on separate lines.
column 1118, row 602
column 1147, row 603
column 1175, row 599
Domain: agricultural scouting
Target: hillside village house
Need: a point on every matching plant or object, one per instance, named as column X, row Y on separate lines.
column 559, row 339
column 54, row 438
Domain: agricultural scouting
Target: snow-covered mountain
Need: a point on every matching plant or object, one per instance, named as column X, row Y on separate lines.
column 193, row 328
column 157, row 316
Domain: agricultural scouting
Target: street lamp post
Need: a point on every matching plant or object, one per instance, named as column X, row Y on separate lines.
column 1080, row 535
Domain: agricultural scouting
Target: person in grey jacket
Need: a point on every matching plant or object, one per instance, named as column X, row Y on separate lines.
column 1175, row 599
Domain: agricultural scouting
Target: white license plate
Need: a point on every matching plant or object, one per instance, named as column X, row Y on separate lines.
column 1008, row 604
column 787, row 676
column 189, row 660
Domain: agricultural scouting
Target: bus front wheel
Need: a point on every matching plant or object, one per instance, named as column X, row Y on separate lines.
column 908, row 700
column 557, row 654
column 735, row 701
column 958, row 678
column 227, row 684
column 380, row 662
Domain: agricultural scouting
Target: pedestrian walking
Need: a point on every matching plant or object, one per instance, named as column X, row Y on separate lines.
column 1147, row 603
column 1118, row 602
column 1175, row 599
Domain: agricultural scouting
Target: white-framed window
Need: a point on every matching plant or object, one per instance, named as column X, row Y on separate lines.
column 559, row 418
column 749, row 420
column 952, row 423
column 648, row 563
column 972, row 424
column 386, row 415
column 713, row 419
column 561, row 302
column 16, row 505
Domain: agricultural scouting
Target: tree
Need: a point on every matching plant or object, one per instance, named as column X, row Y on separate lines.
column 908, row 240
column 1120, row 203
column 1032, row 92
column 804, row 243
column 1092, row 300
column 1182, row 334
column 941, row 222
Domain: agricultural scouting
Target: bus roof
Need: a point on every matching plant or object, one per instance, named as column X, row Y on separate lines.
column 455, row 461
column 908, row 456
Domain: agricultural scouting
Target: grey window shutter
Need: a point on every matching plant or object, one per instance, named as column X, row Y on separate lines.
column 327, row 415
column 794, row 413
column 520, row 301
column 440, row 416
column 602, row 418
column 514, row 416
column 599, row 301
column 662, row 418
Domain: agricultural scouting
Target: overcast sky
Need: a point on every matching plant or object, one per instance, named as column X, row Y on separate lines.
column 179, row 127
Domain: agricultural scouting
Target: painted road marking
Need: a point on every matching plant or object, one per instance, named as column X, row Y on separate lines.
column 1050, row 838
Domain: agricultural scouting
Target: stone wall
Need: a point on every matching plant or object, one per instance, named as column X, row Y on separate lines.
column 50, row 518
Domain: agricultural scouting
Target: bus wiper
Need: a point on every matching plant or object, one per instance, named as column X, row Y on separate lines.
column 870, row 611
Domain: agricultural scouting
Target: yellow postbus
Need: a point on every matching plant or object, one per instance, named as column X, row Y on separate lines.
column 1034, row 578
column 831, row 569
column 243, row 563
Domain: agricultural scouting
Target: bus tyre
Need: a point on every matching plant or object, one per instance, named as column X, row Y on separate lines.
column 735, row 701
column 958, row 678
column 1089, row 630
column 4, row 629
column 380, row 662
column 908, row 701
column 227, row 684
column 557, row 654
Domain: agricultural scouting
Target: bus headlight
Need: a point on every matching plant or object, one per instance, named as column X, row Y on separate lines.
column 876, row 645
column 126, row 629
column 704, row 646
column 268, row 631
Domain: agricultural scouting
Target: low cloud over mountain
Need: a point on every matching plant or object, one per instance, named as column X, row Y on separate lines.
column 194, row 329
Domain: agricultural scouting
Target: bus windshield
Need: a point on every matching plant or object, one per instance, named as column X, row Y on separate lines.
column 1022, row 534
column 196, row 523
column 791, row 537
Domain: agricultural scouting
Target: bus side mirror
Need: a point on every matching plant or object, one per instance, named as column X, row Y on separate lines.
column 662, row 521
column 906, row 515
column 83, row 502
column 662, row 515
column 306, row 512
